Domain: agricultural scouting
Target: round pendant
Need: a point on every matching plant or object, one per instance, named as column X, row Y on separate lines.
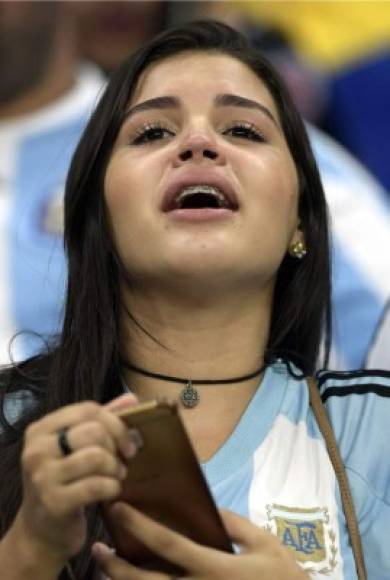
column 189, row 396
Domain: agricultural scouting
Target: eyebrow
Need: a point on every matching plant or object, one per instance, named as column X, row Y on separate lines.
column 223, row 100
column 156, row 103
column 229, row 100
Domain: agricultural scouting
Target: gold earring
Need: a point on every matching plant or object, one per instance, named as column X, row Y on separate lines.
column 298, row 250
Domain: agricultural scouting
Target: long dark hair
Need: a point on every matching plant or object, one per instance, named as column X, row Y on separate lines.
column 84, row 363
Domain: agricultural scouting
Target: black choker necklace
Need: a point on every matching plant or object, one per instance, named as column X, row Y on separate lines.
column 189, row 396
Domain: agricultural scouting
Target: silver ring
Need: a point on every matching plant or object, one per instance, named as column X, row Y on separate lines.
column 63, row 443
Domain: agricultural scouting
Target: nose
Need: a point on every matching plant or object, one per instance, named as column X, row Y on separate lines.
column 198, row 147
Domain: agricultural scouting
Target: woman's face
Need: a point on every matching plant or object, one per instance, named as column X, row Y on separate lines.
column 201, row 184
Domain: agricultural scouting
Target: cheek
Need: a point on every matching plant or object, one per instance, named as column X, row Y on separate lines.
column 120, row 189
column 128, row 194
column 117, row 184
column 131, row 182
column 275, row 192
column 129, row 190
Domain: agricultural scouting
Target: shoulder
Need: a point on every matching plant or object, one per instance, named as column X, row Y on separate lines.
column 358, row 406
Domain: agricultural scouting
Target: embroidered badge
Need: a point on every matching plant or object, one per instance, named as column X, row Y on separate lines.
column 308, row 533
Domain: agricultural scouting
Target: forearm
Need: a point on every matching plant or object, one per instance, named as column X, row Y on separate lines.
column 21, row 558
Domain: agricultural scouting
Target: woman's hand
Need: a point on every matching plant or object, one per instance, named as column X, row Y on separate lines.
column 56, row 488
column 262, row 555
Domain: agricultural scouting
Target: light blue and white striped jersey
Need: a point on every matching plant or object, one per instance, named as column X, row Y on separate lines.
column 274, row 469
column 35, row 151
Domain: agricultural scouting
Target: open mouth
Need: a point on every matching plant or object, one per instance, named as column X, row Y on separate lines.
column 201, row 196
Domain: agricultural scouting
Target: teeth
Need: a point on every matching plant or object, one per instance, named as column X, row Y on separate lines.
column 204, row 189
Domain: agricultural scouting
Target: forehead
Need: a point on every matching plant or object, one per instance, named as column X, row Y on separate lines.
column 208, row 73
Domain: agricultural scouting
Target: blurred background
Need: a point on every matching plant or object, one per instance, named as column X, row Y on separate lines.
column 55, row 58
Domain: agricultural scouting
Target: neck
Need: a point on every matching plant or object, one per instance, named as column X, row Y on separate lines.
column 219, row 337
column 213, row 340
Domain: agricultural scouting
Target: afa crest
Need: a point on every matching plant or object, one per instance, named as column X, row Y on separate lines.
column 305, row 531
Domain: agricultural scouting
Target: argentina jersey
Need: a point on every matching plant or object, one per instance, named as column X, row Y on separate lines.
column 275, row 470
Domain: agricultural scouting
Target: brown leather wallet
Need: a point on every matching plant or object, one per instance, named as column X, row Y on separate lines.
column 166, row 483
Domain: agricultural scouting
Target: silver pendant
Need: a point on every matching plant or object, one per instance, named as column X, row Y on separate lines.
column 189, row 395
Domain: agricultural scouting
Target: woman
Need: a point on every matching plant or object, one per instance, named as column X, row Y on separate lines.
column 197, row 243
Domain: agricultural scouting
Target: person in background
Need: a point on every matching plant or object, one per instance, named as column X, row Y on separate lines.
column 198, row 250
column 45, row 99
column 360, row 228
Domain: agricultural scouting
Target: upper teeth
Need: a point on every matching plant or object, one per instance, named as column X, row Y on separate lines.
column 205, row 189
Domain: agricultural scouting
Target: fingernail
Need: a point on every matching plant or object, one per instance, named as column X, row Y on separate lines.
column 122, row 402
column 136, row 438
column 133, row 444
column 100, row 550
column 129, row 450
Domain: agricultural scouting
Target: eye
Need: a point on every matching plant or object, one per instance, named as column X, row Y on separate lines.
column 244, row 131
column 150, row 133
